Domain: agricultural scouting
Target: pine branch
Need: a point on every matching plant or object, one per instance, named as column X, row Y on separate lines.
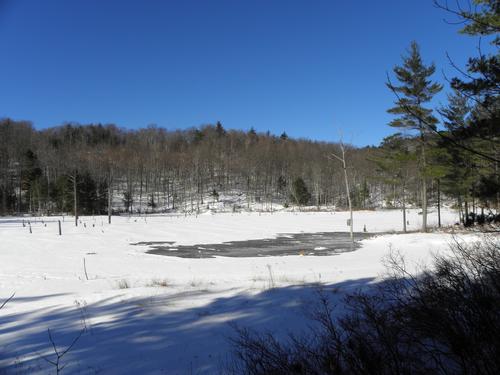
column 433, row 129
column 466, row 16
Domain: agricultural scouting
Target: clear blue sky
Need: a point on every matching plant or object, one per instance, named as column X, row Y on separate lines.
column 310, row 68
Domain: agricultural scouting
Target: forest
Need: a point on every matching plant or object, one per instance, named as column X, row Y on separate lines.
column 93, row 168
column 274, row 284
column 155, row 169
column 445, row 154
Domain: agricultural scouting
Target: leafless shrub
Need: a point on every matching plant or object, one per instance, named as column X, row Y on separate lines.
column 445, row 320
column 123, row 284
column 159, row 283
column 59, row 354
column 271, row 277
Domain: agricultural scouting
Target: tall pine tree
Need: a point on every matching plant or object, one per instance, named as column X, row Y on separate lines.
column 414, row 91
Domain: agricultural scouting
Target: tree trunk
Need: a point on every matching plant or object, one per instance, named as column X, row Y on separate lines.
column 348, row 197
column 140, row 194
column 424, row 183
column 173, row 194
column 4, row 201
column 439, row 202
column 404, row 209
column 344, row 167
column 474, row 205
column 47, row 204
column 110, row 199
column 75, row 203
column 460, row 213
column 20, row 202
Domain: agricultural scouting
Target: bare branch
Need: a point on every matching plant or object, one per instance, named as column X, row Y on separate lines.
column 7, row 300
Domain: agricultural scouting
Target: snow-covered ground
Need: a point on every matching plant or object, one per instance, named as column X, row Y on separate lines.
column 151, row 314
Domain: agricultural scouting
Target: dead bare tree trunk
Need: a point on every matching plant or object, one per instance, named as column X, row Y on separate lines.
column 403, row 198
column 439, row 202
column 110, row 196
column 424, row 181
column 75, row 202
column 344, row 167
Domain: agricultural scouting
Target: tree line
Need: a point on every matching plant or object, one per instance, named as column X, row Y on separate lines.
column 462, row 155
column 103, row 169
column 93, row 169
column 450, row 151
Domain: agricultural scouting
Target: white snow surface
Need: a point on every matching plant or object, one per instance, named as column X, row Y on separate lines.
column 153, row 314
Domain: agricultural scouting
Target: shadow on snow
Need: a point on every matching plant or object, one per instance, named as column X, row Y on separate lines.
column 151, row 335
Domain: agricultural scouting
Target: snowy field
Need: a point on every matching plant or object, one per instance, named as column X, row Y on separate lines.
column 152, row 314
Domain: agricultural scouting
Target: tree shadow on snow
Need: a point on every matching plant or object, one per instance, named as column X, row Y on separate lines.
column 152, row 335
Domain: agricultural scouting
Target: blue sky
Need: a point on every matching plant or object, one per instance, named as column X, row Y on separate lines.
column 314, row 69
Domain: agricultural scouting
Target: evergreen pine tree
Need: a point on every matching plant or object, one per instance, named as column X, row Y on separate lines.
column 219, row 129
column 415, row 90
column 481, row 81
column 300, row 193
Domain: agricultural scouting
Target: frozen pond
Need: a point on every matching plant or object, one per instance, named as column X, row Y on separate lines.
column 322, row 243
